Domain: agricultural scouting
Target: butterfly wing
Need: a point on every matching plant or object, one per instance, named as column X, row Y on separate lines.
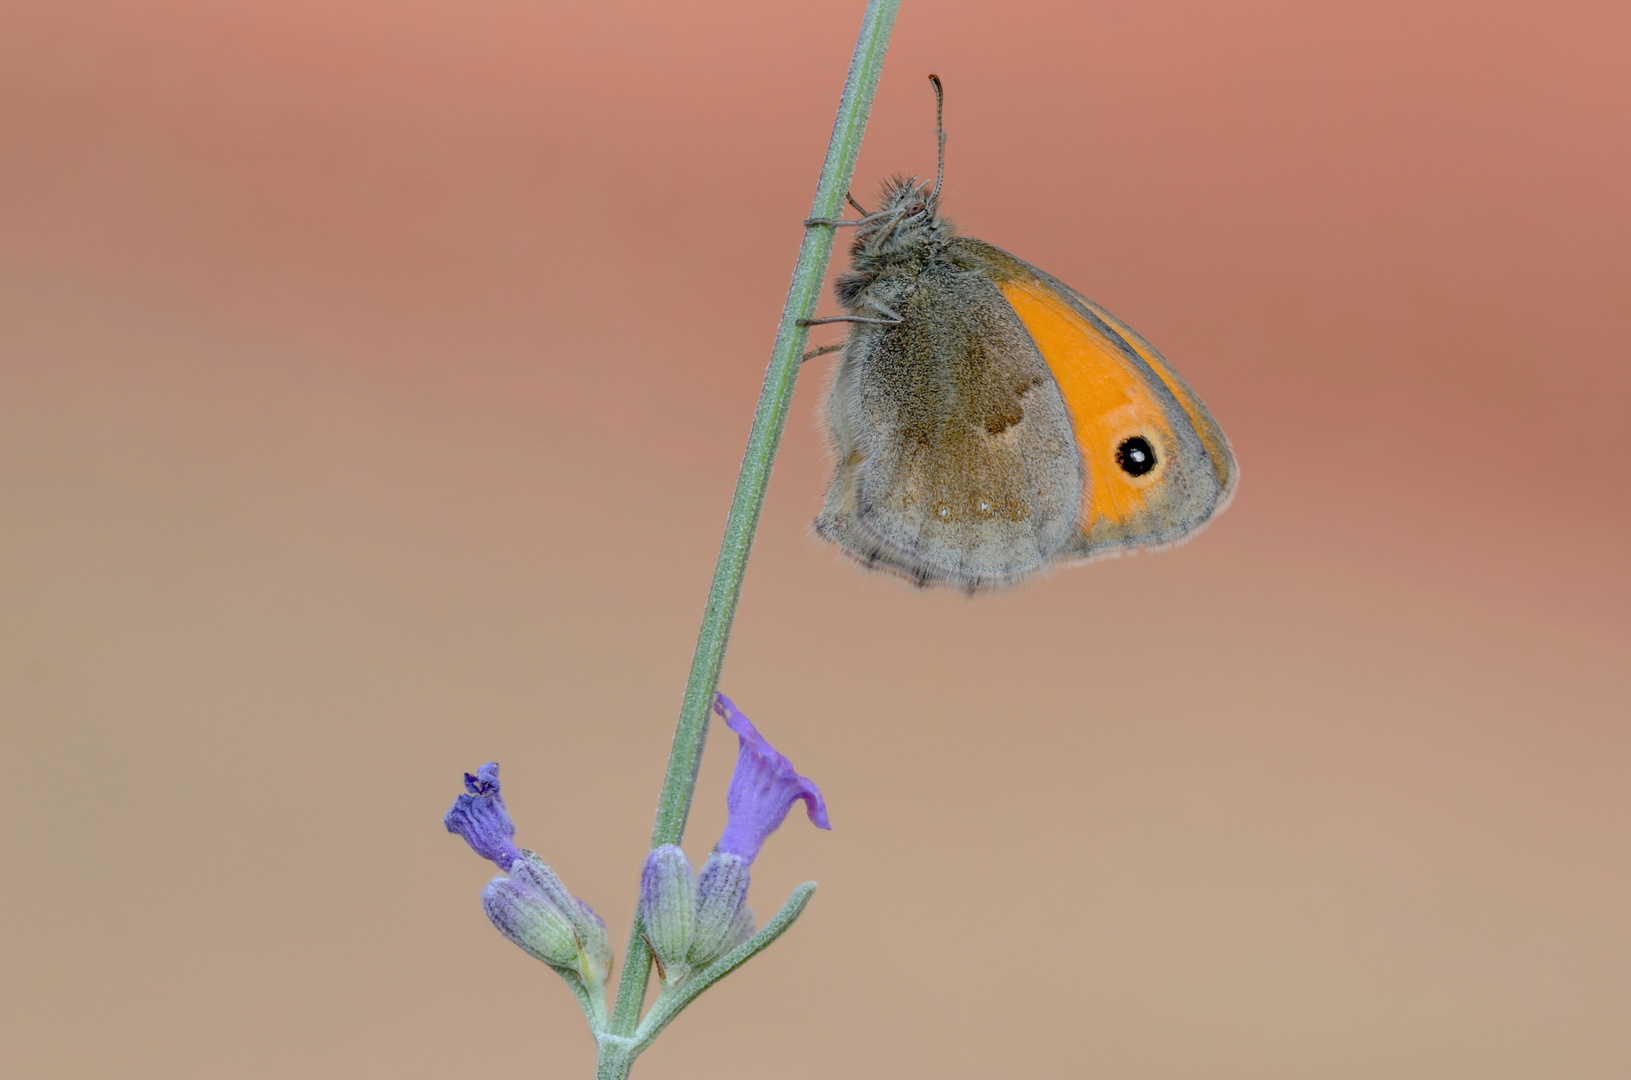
column 1157, row 465
column 956, row 459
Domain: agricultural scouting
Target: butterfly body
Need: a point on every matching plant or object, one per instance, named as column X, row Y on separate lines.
column 990, row 422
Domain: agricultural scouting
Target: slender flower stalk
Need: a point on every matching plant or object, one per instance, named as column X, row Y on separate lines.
column 698, row 926
column 769, row 419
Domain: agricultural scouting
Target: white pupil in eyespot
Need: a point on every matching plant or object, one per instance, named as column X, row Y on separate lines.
column 1135, row 456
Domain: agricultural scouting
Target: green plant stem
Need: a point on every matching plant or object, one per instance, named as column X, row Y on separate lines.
column 674, row 805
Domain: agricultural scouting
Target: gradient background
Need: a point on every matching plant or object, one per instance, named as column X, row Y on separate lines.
column 373, row 382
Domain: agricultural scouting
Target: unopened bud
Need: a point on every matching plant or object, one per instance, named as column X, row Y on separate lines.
column 597, row 947
column 533, row 873
column 722, row 914
column 668, row 909
column 532, row 908
column 532, row 922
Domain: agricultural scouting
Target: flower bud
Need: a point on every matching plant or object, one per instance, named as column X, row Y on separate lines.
column 742, row 928
column 532, row 922
column 722, row 914
column 533, row 873
column 531, row 906
column 668, row 908
column 533, row 889
column 597, row 947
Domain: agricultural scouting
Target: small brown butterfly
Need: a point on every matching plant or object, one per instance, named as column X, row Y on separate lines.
column 990, row 421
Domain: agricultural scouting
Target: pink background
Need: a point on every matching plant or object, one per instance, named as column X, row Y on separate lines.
column 372, row 382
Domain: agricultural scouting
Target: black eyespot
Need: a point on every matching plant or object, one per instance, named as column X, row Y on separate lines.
column 1135, row 456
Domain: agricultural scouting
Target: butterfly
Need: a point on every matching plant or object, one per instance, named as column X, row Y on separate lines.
column 989, row 421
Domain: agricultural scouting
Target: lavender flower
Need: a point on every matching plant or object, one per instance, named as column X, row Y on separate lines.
column 692, row 922
column 528, row 904
column 763, row 789
column 482, row 819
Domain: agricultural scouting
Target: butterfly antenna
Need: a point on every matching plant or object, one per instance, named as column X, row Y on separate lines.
column 940, row 137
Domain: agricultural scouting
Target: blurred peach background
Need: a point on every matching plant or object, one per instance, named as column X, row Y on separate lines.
column 372, row 383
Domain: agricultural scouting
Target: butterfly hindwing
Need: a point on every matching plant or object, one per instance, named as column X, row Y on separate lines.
column 956, row 459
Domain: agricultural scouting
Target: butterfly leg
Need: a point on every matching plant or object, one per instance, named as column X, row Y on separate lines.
column 891, row 318
column 823, row 351
column 849, row 318
column 836, row 222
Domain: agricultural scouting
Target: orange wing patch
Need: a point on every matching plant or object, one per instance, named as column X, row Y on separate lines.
column 1211, row 436
column 1107, row 397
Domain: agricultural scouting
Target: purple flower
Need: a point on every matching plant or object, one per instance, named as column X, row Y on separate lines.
column 480, row 817
column 763, row 789
column 528, row 903
column 691, row 922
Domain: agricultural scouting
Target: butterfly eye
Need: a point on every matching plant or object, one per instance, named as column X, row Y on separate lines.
column 1135, row 456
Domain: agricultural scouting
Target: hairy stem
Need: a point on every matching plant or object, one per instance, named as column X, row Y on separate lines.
column 674, row 805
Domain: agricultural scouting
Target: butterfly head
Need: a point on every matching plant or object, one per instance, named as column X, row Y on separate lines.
column 907, row 219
